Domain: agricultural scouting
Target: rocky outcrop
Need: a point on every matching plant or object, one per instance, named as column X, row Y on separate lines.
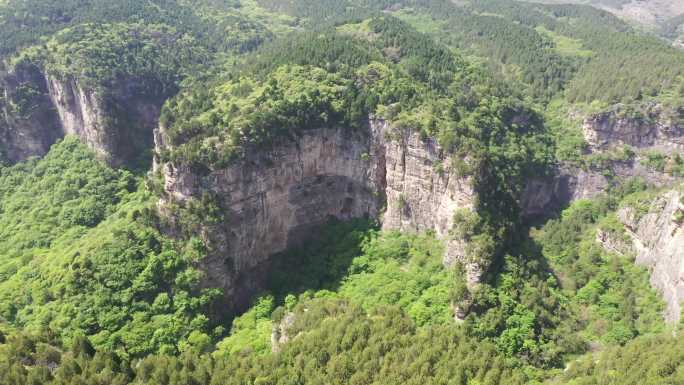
column 616, row 243
column 607, row 134
column 658, row 241
column 276, row 198
column 656, row 237
column 422, row 192
column 547, row 195
column 280, row 333
column 29, row 124
column 117, row 123
column 39, row 109
column 652, row 128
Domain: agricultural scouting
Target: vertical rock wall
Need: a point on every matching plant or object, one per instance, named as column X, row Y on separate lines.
column 658, row 236
column 658, row 240
column 422, row 191
column 29, row 124
column 274, row 199
column 39, row 109
column 655, row 131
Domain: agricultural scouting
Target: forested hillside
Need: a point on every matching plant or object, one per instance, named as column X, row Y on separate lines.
column 650, row 15
column 104, row 267
column 81, row 249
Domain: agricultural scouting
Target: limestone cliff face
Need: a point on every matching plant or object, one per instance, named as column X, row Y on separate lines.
column 654, row 131
column 39, row 109
column 277, row 198
column 29, row 124
column 422, row 192
column 658, row 241
column 117, row 124
column 547, row 195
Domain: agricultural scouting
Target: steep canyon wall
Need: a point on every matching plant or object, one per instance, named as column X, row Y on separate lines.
column 653, row 131
column 655, row 237
column 276, row 198
column 40, row 108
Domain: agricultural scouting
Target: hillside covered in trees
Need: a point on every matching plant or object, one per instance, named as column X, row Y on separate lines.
column 101, row 283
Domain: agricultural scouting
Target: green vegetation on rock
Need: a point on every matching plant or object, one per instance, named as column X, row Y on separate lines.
column 99, row 56
column 97, row 288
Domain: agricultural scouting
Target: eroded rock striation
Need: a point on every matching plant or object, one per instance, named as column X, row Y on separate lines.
column 29, row 124
column 654, row 128
column 658, row 242
column 422, row 192
column 608, row 134
column 276, row 198
column 41, row 108
column 655, row 237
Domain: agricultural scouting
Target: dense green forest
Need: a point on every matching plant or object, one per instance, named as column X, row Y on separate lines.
column 81, row 249
column 157, row 56
column 606, row 60
column 360, row 303
column 95, row 287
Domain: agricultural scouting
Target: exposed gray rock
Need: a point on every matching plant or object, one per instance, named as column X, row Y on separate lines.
column 655, row 130
column 277, row 198
column 658, row 240
column 279, row 334
column 544, row 196
column 423, row 192
column 118, row 126
column 652, row 128
column 613, row 244
column 29, row 124
column 117, row 123
column 461, row 309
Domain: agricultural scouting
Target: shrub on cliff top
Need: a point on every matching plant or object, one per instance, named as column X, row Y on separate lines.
column 216, row 126
column 155, row 56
